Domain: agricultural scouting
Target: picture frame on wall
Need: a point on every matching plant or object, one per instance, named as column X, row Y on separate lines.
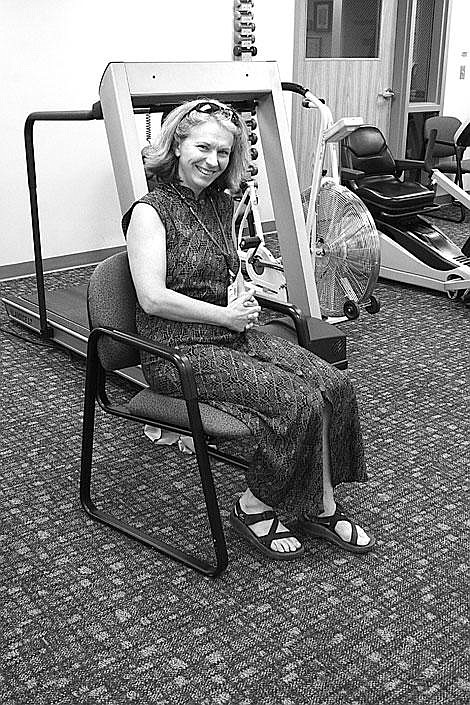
column 322, row 13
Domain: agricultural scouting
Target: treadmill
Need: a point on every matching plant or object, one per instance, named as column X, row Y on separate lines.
column 127, row 89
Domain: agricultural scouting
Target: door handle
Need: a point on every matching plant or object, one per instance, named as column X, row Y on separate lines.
column 387, row 94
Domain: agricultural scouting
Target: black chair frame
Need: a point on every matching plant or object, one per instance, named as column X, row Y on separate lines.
column 95, row 392
column 458, row 149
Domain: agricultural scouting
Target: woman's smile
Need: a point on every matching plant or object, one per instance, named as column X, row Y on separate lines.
column 207, row 172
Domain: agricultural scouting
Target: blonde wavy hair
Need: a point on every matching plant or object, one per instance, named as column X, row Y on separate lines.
column 161, row 162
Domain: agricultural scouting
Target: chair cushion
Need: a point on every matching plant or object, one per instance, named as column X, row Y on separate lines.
column 394, row 195
column 163, row 409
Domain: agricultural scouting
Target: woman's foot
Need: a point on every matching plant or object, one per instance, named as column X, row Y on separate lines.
column 334, row 526
column 258, row 523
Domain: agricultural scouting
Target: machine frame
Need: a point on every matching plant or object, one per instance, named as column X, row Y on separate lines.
column 127, row 89
column 123, row 84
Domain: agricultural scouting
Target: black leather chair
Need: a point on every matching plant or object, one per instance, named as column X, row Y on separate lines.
column 113, row 345
column 369, row 169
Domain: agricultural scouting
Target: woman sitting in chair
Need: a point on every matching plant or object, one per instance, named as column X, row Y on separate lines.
column 302, row 411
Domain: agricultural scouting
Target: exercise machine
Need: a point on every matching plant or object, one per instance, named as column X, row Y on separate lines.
column 413, row 249
column 130, row 88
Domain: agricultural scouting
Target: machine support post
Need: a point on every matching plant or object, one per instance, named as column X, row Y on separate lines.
column 44, row 329
column 298, row 262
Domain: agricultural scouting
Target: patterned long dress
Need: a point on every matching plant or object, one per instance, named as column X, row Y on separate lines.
column 275, row 387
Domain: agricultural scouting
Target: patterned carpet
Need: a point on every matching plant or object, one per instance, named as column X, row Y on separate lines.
column 90, row 617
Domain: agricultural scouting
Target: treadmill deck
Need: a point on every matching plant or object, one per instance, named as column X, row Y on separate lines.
column 67, row 317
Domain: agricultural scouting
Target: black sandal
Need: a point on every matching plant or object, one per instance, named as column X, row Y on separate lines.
column 324, row 527
column 241, row 522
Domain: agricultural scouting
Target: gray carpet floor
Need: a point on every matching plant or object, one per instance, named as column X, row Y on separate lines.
column 90, row 617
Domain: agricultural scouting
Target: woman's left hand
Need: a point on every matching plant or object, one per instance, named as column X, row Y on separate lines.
column 254, row 314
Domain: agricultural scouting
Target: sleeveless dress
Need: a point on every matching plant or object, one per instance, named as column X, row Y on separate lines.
column 275, row 387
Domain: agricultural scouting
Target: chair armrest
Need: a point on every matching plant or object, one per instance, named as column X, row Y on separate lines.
column 348, row 174
column 181, row 362
column 445, row 142
column 410, row 164
column 95, row 388
column 291, row 310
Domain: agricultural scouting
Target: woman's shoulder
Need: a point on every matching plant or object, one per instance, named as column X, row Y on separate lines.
column 161, row 193
column 160, row 198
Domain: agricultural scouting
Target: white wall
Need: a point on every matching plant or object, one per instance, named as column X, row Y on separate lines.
column 53, row 53
column 457, row 89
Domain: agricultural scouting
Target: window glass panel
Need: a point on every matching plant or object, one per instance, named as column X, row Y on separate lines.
column 422, row 48
column 343, row 29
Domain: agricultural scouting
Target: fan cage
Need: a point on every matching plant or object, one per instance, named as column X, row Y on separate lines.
column 347, row 248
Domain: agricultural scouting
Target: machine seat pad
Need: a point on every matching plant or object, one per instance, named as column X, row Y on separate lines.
column 216, row 423
column 393, row 194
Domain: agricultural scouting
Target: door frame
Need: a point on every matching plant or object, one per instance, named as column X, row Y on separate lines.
column 401, row 107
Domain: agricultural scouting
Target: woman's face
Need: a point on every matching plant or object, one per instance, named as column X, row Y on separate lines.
column 203, row 155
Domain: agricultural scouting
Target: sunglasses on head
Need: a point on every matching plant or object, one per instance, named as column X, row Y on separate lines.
column 208, row 108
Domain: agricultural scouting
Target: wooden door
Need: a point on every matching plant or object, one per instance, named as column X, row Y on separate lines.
column 351, row 87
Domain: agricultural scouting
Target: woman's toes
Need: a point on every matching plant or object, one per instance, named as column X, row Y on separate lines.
column 278, row 546
column 362, row 538
column 286, row 545
column 344, row 530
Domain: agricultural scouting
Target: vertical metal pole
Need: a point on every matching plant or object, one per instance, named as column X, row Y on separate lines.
column 44, row 329
column 88, row 430
column 203, row 462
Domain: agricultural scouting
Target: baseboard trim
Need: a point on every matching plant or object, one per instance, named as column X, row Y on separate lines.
column 54, row 264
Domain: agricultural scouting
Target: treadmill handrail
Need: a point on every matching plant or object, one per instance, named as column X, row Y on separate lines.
column 44, row 328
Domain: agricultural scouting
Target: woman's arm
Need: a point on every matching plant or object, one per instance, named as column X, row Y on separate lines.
column 146, row 247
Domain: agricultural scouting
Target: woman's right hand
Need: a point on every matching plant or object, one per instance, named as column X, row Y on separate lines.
column 242, row 312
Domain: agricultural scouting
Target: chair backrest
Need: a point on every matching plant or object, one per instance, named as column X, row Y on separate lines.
column 446, row 127
column 365, row 149
column 111, row 304
column 462, row 135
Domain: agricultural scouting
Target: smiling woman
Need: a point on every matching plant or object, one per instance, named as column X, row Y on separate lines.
column 192, row 296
